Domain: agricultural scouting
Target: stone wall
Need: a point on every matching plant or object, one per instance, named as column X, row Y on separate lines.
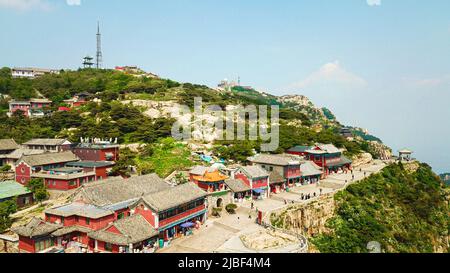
column 308, row 219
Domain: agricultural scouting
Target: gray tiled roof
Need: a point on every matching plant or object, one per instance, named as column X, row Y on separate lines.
column 8, row 144
column 46, row 141
column 237, row 185
column 36, row 227
column 254, row 171
column 70, row 229
column 49, row 158
column 115, row 190
column 80, row 209
column 133, row 229
column 309, row 168
column 278, row 160
column 275, row 177
column 18, row 153
column 175, row 196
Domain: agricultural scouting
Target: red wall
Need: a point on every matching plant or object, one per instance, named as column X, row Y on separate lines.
column 95, row 154
column 23, row 176
column 95, row 224
column 26, row 244
column 243, row 178
column 292, row 171
column 147, row 214
column 180, row 216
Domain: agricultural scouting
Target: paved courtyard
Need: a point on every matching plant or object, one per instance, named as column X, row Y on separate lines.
column 222, row 234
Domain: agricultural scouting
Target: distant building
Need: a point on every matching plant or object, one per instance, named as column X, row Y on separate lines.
column 28, row 165
column 30, row 108
column 29, row 72
column 299, row 150
column 208, row 179
column 329, row 158
column 11, row 189
column 65, row 178
column 346, row 132
column 286, row 166
column 48, row 145
column 97, row 151
column 7, row 146
column 256, row 178
column 78, row 100
column 405, row 155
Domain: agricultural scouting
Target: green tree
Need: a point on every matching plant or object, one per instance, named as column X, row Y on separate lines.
column 38, row 188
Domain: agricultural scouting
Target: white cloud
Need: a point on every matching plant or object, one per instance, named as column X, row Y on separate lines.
column 24, row 4
column 331, row 73
column 73, row 2
column 374, row 3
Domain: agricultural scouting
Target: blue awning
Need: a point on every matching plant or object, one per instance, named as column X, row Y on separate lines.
column 187, row 225
column 258, row 191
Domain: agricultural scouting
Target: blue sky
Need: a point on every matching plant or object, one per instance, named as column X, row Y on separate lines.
column 380, row 64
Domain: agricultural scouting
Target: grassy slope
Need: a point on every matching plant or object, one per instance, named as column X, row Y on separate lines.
column 405, row 212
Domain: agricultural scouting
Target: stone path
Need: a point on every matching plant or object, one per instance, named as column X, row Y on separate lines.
column 222, row 235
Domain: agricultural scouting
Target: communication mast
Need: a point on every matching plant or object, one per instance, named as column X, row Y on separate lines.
column 99, row 56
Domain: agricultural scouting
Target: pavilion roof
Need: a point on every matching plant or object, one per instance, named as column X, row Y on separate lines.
column 214, row 176
column 174, row 196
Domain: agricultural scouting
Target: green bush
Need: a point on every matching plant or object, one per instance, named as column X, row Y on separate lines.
column 231, row 208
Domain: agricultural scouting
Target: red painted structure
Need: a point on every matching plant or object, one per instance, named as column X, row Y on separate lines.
column 97, row 152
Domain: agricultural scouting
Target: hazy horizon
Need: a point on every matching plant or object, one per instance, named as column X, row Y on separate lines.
column 380, row 65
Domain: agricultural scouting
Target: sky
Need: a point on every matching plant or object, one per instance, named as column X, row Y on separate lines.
column 383, row 65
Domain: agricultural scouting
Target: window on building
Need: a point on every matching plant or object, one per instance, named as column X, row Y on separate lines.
column 88, row 221
column 108, row 247
column 120, row 215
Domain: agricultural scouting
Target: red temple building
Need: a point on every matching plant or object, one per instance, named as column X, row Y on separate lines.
column 287, row 166
column 299, row 150
column 65, row 178
column 48, row 145
column 30, row 108
column 329, row 158
column 98, row 151
column 209, row 179
column 100, row 168
column 256, row 178
column 28, row 165
column 117, row 215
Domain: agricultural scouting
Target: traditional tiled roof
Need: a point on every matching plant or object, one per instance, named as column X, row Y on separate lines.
column 278, row 160
column 173, row 197
column 115, row 190
column 310, row 168
column 254, row 171
column 133, row 229
column 10, row 189
column 299, row 149
column 214, row 176
column 36, row 227
column 330, row 148
column 49, row 158
column 18, row 153
column 79, row 209
column 64, row 176
column 8, row 144
column 344, row 161
column 275, row 177
column 198, row 170
column 70, row 229
column 47, row 141
column 90, row 164
column 237, row 185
